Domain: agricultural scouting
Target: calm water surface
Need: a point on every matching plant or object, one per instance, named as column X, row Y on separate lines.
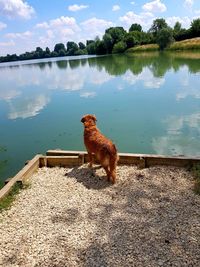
column 147, row 103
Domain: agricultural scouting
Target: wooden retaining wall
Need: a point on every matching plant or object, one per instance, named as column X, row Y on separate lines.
column 65, row 158
column 143, row 160
column 22, row 175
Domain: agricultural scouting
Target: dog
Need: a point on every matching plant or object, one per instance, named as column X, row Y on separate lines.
column 100, row 146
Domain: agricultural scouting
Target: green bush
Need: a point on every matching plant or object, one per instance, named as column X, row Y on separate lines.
column 119, row 47
column 164, row 38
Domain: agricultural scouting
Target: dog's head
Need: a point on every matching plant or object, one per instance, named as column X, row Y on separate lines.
column 89, row 120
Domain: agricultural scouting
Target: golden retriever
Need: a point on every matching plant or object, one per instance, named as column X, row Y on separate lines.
column 100, row 146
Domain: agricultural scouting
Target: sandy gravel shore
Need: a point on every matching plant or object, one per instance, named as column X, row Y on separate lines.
column 74, row 217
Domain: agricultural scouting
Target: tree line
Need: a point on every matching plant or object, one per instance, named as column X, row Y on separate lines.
column 116, row 40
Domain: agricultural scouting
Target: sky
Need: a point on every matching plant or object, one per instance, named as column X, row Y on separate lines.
column 27, row 24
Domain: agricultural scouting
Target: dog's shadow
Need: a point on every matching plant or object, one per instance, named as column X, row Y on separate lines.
column 89, row 178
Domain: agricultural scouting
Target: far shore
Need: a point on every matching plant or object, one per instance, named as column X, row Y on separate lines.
column 189, row 45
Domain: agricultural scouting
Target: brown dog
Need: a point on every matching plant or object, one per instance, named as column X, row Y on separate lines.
column 103, row 148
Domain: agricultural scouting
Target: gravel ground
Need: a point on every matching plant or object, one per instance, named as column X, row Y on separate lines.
column 74, row 217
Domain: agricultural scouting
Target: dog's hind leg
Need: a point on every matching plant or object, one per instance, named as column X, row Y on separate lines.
column 113, row 164
column 107, row 172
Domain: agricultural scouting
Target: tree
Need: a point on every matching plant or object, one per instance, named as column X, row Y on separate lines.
column 108, row 42
column 100, row 47
column 59, row 47
column 119, row 47
column 72, row 47
column 91, row 48
column 47, row 50
column 89, row 42
column 39, row 49
column 81, row 45
column 158, row 24
column 117, row 33
column 177, row 29
column 39, row 53
column 164, row 38
column 130, row 40
column 177, row 26
column 62, row 53
column 195, row 27
column 54, row 54
column 135, row 27
column 81, row 52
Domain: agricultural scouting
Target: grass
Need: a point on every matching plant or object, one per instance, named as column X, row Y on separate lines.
column 188, row 44
column 7, row 201
column 196, row 173
column 142, row 48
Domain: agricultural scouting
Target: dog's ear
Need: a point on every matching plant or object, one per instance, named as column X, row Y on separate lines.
column 83, row 120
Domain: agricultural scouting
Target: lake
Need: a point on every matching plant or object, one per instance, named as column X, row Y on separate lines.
column 145, row 103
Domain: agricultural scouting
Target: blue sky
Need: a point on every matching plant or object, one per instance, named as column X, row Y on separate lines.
column 26, row 24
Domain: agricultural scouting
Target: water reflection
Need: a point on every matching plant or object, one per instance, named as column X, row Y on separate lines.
column 182, row 135
column 146, row 76
column 78, row 75
column 27, row 107
column 146, row 103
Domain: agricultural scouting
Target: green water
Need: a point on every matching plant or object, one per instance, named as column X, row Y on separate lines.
column 147, row 103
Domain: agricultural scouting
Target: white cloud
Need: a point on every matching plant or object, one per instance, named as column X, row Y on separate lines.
column 64, row 21
column 185, row 21
column 2, row 25
column 10, row 43
column 94, row 27
column 188, row 3
column 43, row 25
column 23, row 35
column 62, row 29
column 75, row 7
column 144, row 19
column 16, row 8
column 88, row 94
column 115, row 8
column 154, row 6
column 132, row 3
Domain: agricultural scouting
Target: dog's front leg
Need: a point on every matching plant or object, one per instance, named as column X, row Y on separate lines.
column 90, row 159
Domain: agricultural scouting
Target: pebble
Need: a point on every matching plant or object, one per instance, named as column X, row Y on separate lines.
column 74, row 217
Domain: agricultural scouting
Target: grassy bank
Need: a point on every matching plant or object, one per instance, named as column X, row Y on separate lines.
column 143, row 48
column 189, row 44
column 6, row 202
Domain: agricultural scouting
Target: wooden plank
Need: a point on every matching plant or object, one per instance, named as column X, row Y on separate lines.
column 22, row 175
column 142, row 160
column 63, row 161
column 59, row 152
